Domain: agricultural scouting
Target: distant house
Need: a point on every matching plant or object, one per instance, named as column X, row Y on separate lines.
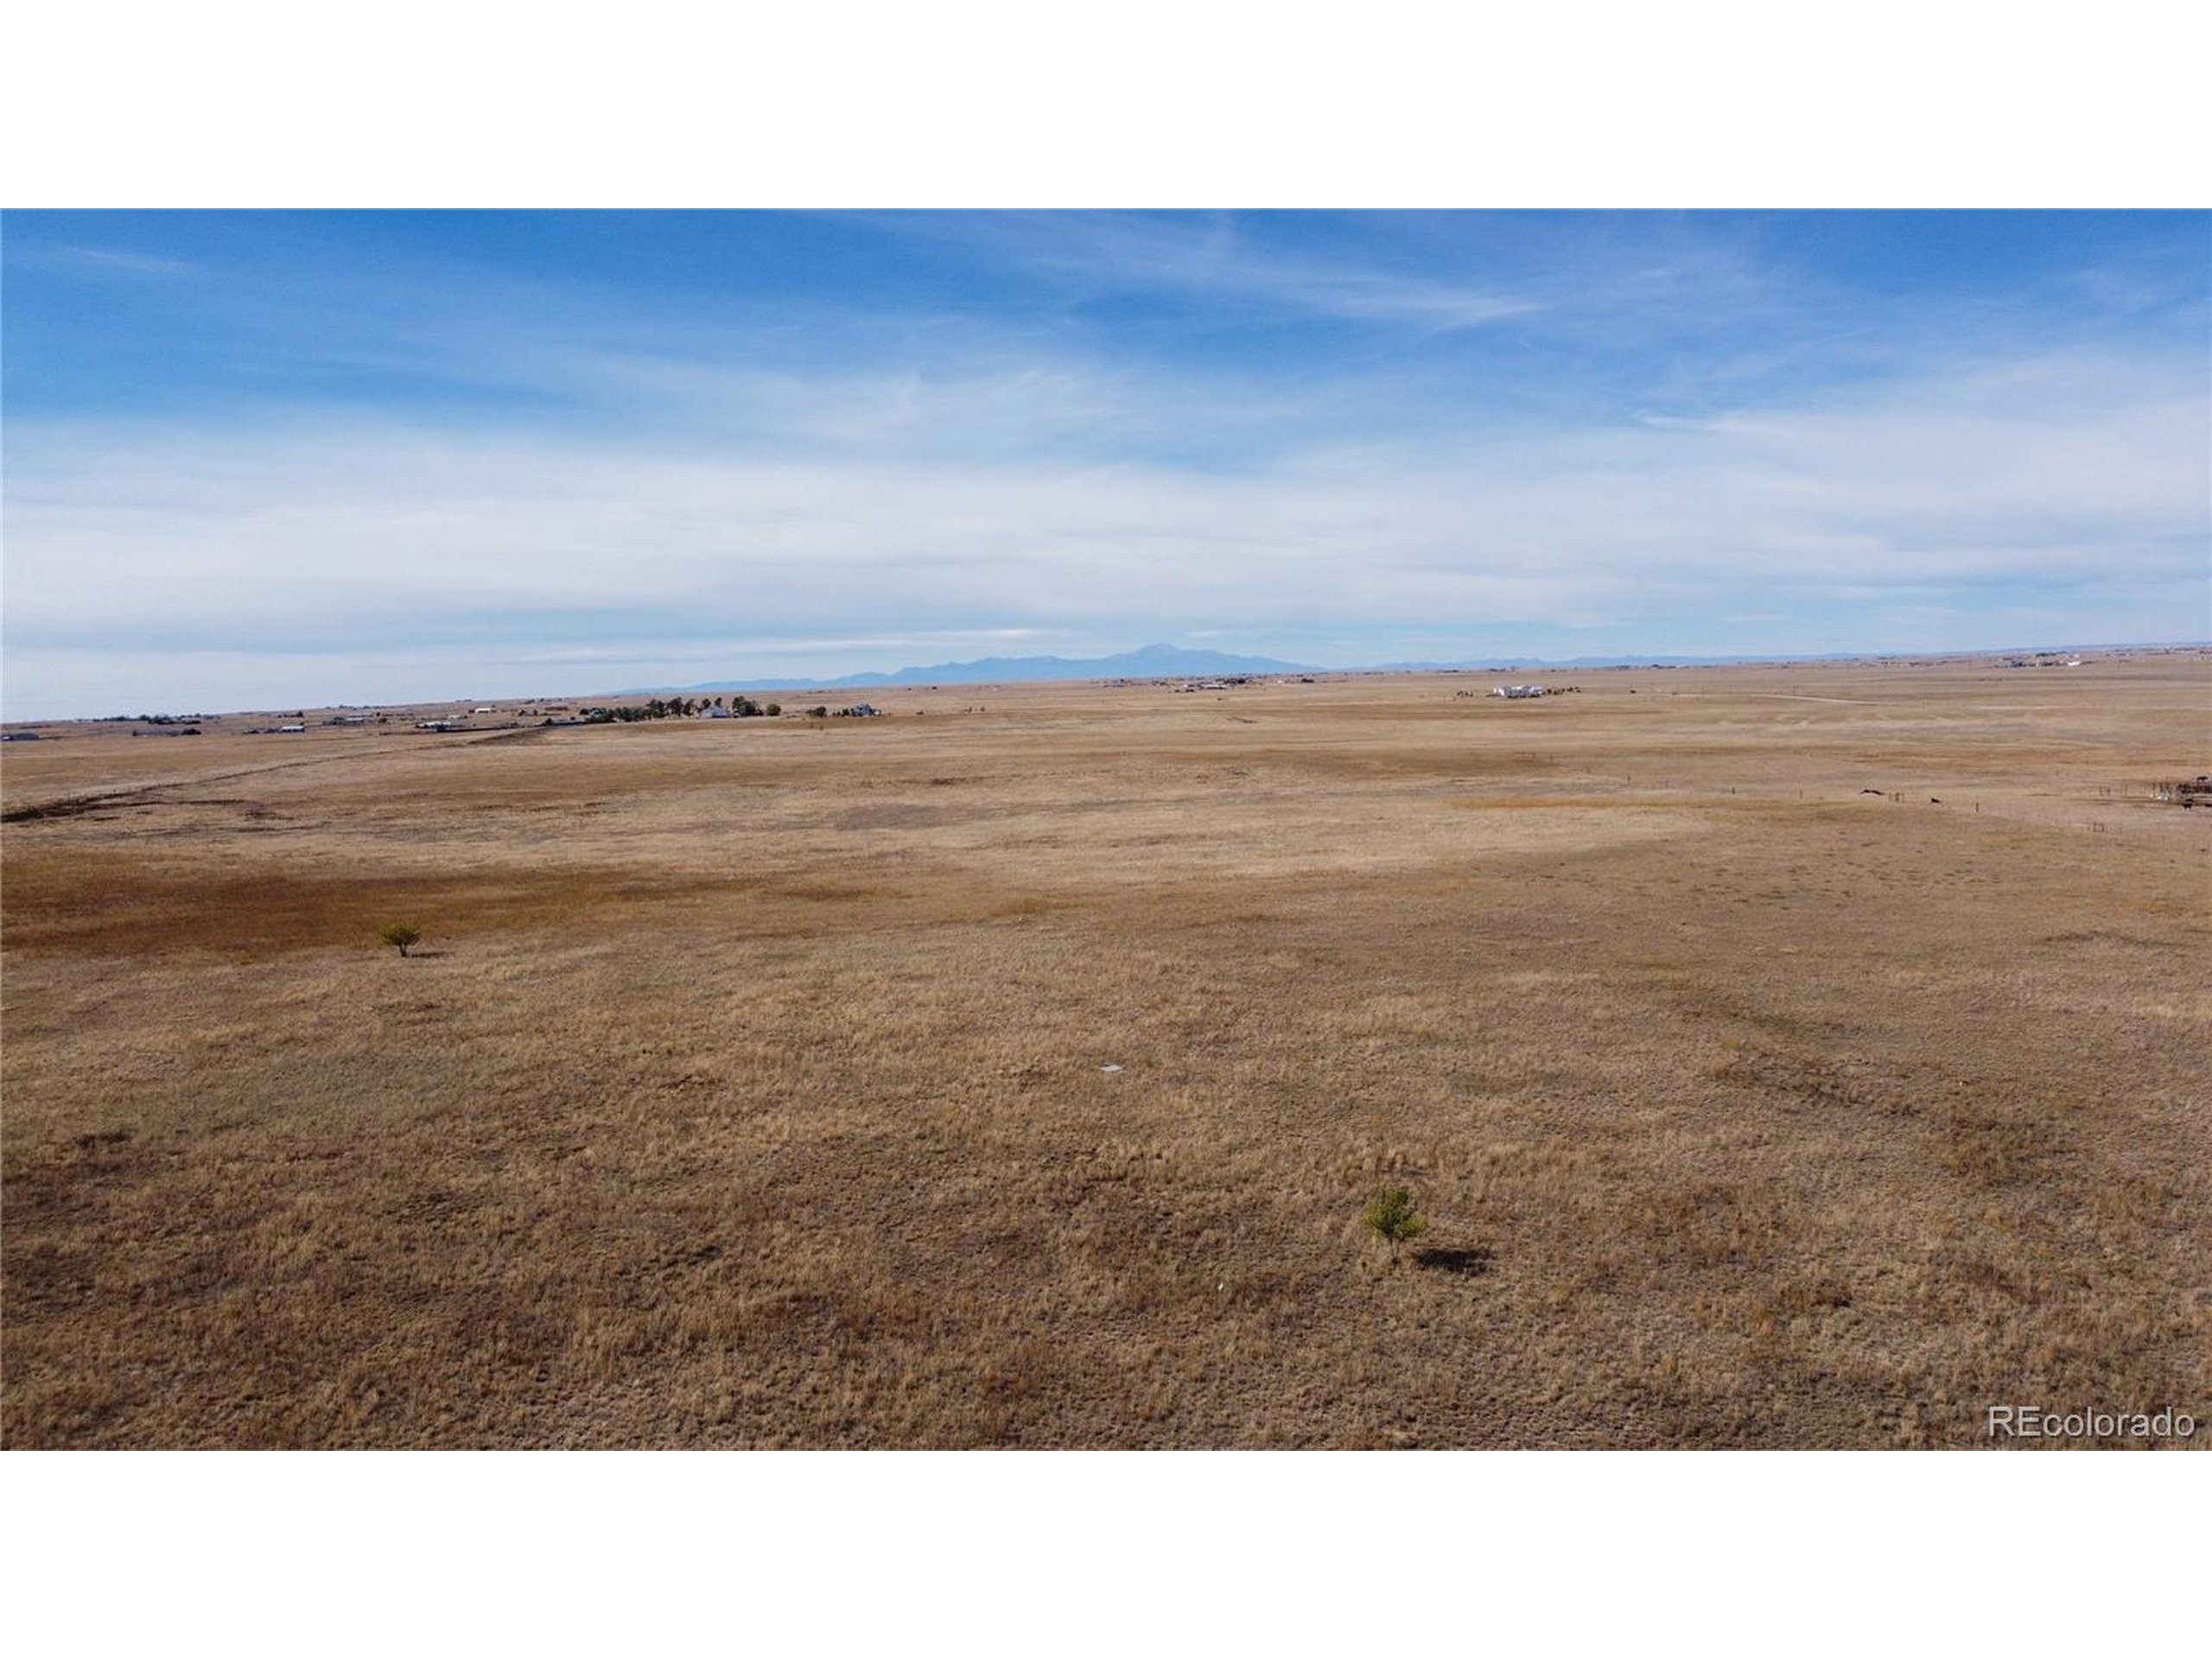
column 1519, row 691
column 712, row 713
column 863, row 711
column 296, row 725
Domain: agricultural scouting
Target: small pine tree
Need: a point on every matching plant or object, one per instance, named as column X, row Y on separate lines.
column 1390, row 1216
column 400, row 935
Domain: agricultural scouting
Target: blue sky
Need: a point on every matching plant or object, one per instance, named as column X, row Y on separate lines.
column 254, row 460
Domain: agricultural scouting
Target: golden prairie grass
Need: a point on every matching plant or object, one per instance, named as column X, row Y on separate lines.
column 747, row 1086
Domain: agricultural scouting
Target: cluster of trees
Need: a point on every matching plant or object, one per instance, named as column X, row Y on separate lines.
column 677, row 708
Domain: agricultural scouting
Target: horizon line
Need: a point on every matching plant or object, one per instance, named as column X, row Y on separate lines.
column 1488, row 665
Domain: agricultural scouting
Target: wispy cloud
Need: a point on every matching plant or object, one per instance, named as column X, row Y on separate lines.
column 1210, row 257
column 123, row 259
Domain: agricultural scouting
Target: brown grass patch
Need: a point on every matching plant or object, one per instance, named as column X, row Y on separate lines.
column 754, row 1086
column 91, row 904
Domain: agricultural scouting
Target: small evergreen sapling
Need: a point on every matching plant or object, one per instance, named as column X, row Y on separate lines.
column 1390, row 1216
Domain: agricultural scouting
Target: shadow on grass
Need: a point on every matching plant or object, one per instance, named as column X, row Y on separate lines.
column 1470, row 1263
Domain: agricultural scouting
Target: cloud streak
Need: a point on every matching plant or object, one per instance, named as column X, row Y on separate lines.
column 122, row 259
column 1211, row 258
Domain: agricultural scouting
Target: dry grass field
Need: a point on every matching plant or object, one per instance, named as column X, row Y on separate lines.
column 748, row 1087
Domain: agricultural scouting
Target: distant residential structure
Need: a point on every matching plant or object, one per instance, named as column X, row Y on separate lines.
column 1519, row 691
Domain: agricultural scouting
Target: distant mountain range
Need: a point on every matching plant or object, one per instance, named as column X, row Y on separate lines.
column 1173, row 662
column 1504, row 665
column 1145, row 662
